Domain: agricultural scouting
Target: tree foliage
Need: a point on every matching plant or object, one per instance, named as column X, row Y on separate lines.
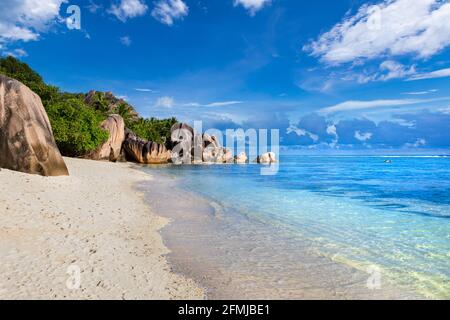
column 76, row 121
column 76, row 126
column 100, row 103
column 13, row 68
column 107, row 103
column 153, row 129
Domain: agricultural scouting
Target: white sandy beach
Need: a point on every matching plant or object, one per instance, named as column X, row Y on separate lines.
column 93, row 221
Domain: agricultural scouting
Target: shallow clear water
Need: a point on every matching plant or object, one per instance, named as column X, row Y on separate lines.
column 357, row 211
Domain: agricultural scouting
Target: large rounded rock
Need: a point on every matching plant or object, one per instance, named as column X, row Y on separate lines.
column 183, row 140
column 179, row 131
column 210, row 141
column 26, row 138
column 145, row 152
column 110, row 150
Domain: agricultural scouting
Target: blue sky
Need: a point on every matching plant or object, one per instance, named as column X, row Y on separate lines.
column 328, row 74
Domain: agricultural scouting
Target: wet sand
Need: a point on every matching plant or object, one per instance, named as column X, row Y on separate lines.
column 237, row 257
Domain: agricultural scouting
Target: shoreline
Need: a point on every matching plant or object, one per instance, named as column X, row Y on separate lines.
column 114, row 222
column 236, row 257
column 86, row 236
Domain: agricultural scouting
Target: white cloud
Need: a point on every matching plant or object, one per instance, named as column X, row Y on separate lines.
column 123, row 97
column 145, row 90
column 213, row 104
column 17, row 53
column 126, row 41
column 252, row 5
column 419, row 93
column 353, row 105
column 392, row 28
column 332, row 130
column 363, row 136
column 445, row 110
column 93, row 7
column 395, row 70
column 387, row 70
column 192, row 104
column 169, row 102
column 302, row 132
column 443, row 73
column 9, row 32
column 223, row 103
column 165, row 102
column 167, row 11
column 24, row 20
column 419, row 143
column 127, row 9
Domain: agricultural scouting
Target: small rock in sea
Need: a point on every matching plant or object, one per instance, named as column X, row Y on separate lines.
column 267, row 158
column 241, row 158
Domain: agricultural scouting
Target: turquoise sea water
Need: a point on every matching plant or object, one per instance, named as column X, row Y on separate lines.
column 356, row 210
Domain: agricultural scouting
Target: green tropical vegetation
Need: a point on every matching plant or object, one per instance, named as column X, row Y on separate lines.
column 76, row 127
column 76, row 117
column 153, row 129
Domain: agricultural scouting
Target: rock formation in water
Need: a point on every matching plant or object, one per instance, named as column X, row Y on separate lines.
column 210, row 140
column 241, row 158
column 26, row 138
column 192, row 147
column 213, row 152
column 145, row 152
column 267, row 158
column 217, row 155
column 111, row 149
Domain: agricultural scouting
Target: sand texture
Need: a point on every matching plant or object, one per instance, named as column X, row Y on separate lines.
column 86, row 236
